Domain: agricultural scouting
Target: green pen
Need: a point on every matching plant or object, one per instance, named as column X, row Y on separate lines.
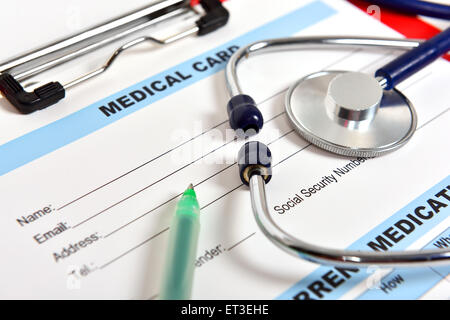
column 179, row 268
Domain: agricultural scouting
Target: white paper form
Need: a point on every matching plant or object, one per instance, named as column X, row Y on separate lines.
column 106, row 186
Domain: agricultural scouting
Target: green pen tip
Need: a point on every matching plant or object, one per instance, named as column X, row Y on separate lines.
column 190, row 191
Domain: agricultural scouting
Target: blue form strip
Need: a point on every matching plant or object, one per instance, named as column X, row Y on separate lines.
column 330, row 283
column 49, row 138
column 442, row 241
column 403, row 284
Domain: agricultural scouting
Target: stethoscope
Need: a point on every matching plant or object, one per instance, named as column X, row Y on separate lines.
column 347, row 113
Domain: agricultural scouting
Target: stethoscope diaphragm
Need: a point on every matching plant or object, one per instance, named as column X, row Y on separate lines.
column 348, row 113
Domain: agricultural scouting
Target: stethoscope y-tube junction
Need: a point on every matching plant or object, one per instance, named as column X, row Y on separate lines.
column 37, row 61
column 254, row 161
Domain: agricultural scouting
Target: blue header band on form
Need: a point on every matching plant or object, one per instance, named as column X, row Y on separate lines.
column 53, row 136
column 361, row 244
column 418, row 281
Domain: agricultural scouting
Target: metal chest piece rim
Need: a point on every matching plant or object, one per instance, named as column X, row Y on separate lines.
column 364, row 122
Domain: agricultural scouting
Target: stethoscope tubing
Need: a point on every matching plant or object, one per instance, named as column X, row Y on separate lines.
column 330, row 256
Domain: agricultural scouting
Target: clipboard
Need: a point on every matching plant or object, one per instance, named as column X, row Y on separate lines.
column 25, row 66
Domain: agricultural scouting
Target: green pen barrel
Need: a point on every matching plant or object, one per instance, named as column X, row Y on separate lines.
column 182, row 249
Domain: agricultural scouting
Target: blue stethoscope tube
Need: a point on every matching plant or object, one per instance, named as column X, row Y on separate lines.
column 414, row 60
column 255, row 171
column 245, row 116
column 424, row 8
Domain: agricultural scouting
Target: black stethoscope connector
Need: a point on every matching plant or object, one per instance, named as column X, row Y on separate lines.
column 244, row 115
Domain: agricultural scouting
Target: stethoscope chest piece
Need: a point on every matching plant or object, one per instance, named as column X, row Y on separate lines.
column 349, row 113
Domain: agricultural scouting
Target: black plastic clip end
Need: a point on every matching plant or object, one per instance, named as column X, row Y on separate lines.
column 28, row 102
column 216, row 16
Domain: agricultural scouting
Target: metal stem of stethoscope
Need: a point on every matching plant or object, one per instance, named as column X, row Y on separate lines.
column 67, row 49
column 255, row 170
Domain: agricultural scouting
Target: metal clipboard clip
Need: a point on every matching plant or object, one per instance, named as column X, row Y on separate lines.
column 47, row 57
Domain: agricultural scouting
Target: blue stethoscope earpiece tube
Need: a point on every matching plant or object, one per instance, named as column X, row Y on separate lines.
column 254, row 157
column 414, row 60
column 244, row 114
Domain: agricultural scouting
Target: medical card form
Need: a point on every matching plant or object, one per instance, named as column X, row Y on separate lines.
column 88, row 186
